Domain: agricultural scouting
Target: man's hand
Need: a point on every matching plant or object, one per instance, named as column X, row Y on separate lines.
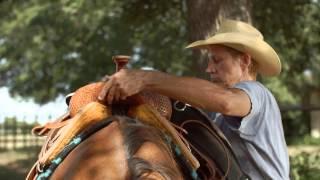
column 123, row 84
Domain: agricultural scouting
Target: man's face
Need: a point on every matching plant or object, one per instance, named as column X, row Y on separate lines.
column 223, row 67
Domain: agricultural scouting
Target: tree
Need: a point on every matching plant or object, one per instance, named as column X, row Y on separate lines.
column 51, row 48
column 54, row 47
column 284, row 25
column 204, row 17
column 292, row 28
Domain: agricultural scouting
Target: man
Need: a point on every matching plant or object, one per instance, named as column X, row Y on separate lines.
column 247, row 112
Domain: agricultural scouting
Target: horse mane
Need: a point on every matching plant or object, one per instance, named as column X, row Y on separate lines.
column 135, row 134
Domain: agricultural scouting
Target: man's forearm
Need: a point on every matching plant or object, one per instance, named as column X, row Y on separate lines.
column 197, row 92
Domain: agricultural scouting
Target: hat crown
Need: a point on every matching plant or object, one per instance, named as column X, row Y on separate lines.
column 231, row 26
column 245, row 38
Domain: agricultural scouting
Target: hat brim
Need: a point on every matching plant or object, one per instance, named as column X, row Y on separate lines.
column 268, row 61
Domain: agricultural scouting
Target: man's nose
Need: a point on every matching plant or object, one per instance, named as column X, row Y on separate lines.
column 210, row 68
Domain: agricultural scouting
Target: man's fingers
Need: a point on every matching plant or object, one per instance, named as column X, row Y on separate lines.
column 117, row 95
column 104, row 91
column 123, row 95
column 105, row 78
column 111, row 94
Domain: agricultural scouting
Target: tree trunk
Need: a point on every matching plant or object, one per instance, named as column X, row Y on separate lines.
column 204, row 17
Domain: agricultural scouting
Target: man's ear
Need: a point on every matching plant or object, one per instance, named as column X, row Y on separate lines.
column 245, row 61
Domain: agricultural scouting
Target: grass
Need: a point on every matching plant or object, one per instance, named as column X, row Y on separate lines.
column 15, row 164
column 303, row 140
column 305, row 166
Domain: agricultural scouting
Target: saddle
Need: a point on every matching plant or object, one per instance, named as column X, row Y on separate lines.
column 87, row 112
column 209, row 145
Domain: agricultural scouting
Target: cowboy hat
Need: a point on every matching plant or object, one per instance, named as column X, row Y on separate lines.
column 245, row 38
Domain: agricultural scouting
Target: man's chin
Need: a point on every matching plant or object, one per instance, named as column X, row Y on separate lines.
column 216, row 81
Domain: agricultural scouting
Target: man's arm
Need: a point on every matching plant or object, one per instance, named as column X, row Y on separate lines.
column 194, row 91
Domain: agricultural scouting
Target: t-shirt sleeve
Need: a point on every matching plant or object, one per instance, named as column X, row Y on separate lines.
column 251, row 123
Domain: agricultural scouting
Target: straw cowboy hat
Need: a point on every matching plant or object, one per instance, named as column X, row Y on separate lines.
column 245, row 38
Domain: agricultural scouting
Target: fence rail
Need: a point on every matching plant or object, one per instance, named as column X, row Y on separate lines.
column 15, row 135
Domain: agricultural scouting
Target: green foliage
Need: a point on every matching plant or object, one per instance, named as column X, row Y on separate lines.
column 305, row 166
column 11, row 123
column 53, row 47
column 304, row 140
column 294, row 125
column 160, row 34
column 49, row 48
column 292, row 28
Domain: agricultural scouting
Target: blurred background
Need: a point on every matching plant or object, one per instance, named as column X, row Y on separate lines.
column 50, row 48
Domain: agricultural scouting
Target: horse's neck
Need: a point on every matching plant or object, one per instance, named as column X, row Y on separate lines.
column 59, row 136
column 94, row 154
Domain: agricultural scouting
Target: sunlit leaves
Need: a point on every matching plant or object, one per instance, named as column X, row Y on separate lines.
column 292, row 28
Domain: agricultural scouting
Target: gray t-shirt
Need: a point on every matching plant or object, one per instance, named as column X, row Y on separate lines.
column 258, row 139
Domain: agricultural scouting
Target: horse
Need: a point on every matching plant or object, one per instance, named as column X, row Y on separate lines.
column 132, row 151
column 148, row 136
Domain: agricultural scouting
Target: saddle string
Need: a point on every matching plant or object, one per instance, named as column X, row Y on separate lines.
column 184, row 140
column 53, row 135
column 210, row 164
column 55, row 125
column 180, row 129
column 52, row 131
column 43, row 130
column 205, row 157
column 44, row 149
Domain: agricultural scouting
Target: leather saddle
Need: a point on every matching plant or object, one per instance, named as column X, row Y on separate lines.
column 85, row 111
column 208, row 143
column 203, row 140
